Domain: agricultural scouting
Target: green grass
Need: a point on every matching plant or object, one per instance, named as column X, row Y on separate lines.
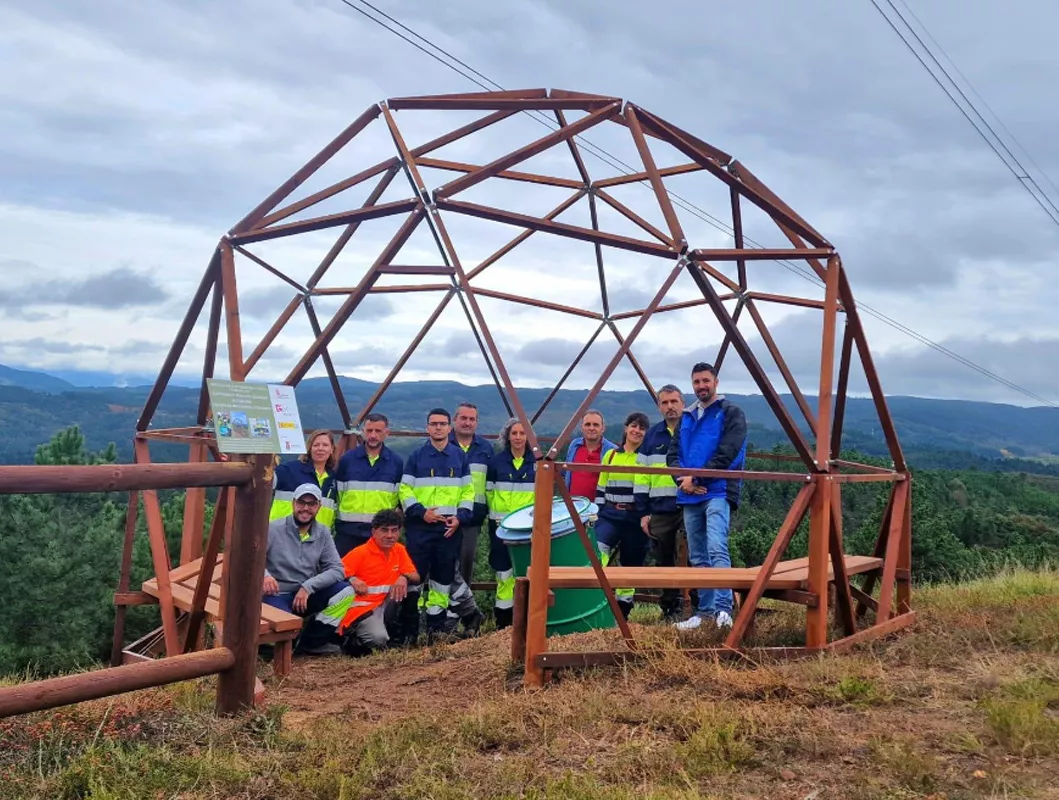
column 962, row 706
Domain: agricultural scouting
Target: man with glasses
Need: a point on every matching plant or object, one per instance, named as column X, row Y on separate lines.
column 303, row 573
column 437, row 496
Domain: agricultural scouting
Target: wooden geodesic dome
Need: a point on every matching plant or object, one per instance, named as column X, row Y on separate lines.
column 452, row 209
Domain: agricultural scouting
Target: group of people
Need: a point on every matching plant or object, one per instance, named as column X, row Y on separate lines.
column 334, row 550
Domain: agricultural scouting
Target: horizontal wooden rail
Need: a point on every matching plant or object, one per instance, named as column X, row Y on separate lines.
column 739, row 474
column 120, row 477
column 736, row 474
column 40, row 695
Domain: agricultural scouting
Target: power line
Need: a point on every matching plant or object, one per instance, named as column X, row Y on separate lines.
column 989, row 135
column 981, row 99
column 484, row 82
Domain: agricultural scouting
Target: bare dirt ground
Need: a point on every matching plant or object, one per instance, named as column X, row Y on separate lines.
column 393, row 685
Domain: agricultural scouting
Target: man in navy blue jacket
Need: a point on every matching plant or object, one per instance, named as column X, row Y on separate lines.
column 665, row 522
column 712, row 435
column 437, row 496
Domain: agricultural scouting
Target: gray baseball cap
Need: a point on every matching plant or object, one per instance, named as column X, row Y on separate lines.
column 308, row 488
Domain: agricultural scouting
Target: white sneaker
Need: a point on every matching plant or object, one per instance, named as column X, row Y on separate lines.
column 724, row 620
column 690, row 624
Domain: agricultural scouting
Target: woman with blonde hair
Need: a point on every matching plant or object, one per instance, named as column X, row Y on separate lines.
column 316, row 465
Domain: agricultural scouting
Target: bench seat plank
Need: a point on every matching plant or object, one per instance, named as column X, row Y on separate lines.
column 792, row 574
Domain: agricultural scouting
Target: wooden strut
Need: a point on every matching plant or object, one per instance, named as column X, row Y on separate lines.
column 819, row 496
column 152, row 513
column 594, row 560
column 775, row 554
column 209, row 562
column 124, row 576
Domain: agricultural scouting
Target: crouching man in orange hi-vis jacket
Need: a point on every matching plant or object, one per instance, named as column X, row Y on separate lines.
column 380, row 573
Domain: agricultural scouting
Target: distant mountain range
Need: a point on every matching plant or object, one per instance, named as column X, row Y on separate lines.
column 34, row 405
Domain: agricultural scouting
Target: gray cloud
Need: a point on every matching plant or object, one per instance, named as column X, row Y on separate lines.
column 50, row 346
column 119, row 288
column 267, row 303
column 158, row 111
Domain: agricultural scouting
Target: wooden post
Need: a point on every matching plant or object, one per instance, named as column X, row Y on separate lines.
column 152, row 512
column 244, row 564
column 904, row 559
column 209, row 561
column 843, row 598
column 124, row 576
column 892, row 552
column 518, row 621
column 819, row 538
column 540, row 561
column 194, row 511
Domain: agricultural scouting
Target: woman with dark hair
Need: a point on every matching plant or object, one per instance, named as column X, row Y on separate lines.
column 622, row 501
column 508, row 487
column 316, row 465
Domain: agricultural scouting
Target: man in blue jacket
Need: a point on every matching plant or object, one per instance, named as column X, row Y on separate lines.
column 479, row 452
column 712, row 435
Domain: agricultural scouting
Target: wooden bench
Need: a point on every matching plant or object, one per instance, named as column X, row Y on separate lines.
column 277, row 627
column 789, row 575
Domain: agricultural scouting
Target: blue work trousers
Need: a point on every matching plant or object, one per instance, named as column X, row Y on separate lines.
column 707, row 528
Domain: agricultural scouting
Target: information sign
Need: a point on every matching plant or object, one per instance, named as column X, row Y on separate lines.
column 255, row 417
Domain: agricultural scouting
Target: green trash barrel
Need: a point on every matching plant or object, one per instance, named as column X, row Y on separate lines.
column 574, row 610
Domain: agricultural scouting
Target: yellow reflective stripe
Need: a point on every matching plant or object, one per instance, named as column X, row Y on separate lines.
column 280, row 509
column 348, row 516
column 437, row 598
column 663, row 491
column 478, row 481
column 366, row 502
column 366, row 486
column 502, row 503
column 440, row 482
column 338, row 605
column 326, row 516
column 505, row 589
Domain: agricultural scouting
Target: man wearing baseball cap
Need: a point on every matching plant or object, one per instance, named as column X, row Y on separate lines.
column 303, row 573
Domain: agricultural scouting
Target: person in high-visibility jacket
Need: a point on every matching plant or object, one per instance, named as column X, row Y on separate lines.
column 317, row 465
column 664, row 523
column 380, row 572
column 479, row 452
column 509, row 486
column 437, row 496
column 367, row 479
column 622, row 501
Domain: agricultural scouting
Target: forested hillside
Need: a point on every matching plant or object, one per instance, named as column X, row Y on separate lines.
column 59, row 554
column 991, row 435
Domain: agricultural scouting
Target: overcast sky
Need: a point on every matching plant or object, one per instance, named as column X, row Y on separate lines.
column 135, row 133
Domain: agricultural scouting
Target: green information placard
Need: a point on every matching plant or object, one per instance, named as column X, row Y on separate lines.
column 247, row 419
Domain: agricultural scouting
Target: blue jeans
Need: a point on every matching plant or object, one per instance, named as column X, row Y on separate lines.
column 707, row 528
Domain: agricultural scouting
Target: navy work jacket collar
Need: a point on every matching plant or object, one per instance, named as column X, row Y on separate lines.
column 361, row 451
column 477, row 443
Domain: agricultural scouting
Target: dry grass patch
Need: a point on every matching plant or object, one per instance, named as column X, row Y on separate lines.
column 963, row 706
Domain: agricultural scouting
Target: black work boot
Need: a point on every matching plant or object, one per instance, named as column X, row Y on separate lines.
column 443, row 632
column 503, row 617
column 472, row 622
